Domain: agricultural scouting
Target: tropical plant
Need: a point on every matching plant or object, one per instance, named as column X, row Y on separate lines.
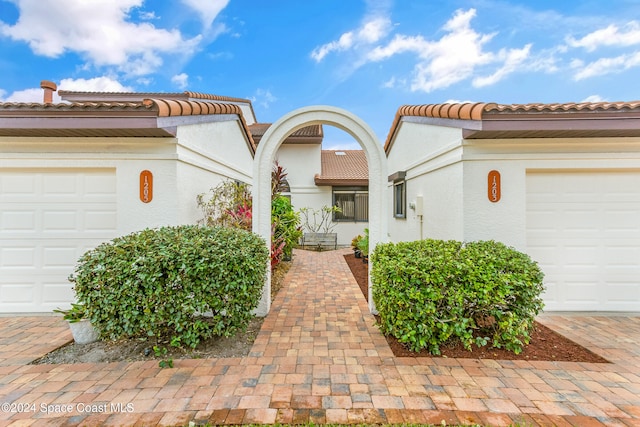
column 363, row 243
column 279, row 182
column 286, row 226
column 76, row 313
column 355, row 241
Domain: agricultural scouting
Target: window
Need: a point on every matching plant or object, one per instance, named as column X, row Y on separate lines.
column 399, row 199
column 353, row 204
column 399, row 194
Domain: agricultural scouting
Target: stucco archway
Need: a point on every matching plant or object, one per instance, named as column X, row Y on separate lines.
column 265, row 156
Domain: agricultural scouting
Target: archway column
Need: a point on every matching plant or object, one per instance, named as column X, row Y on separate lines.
column 263, row 163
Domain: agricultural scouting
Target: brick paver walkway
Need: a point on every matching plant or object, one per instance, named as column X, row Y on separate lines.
column 320, row 358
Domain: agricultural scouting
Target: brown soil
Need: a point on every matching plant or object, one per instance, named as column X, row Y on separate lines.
column 545, row 344
column 131, row 350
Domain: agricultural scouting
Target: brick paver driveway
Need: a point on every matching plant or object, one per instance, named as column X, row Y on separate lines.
column 320, row 358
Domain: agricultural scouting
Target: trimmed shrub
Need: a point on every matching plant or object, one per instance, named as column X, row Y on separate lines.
column 430, row 291
column 186, row 283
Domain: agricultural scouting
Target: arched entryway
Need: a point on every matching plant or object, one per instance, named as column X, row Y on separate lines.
column 265, row 156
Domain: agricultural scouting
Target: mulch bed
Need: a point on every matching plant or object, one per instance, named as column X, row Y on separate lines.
column 545, row 344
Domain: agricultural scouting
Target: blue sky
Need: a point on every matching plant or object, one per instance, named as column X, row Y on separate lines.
column 369, row 57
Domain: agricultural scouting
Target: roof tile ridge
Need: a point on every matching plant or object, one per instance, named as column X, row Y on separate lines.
column 72, row 105
column 180, row 107
column 201, row 95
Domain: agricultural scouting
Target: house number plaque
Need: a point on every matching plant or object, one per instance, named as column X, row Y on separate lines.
column 146, row 186
column 493, row 186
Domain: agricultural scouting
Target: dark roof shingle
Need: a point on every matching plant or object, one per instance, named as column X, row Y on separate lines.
column 311, row 134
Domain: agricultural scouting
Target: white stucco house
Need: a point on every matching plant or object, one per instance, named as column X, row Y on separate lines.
column 100, row 165
column 78, row 173
column 560, row 182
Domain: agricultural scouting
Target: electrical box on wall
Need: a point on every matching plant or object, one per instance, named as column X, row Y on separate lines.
column 419, row 207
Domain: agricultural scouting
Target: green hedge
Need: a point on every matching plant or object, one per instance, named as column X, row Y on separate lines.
column 430, row 291
column 187, row 283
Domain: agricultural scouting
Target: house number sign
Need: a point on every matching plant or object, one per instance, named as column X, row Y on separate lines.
column 146, row 186
column 493, row 186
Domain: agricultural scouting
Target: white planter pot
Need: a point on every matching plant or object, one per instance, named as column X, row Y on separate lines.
column 83, row 332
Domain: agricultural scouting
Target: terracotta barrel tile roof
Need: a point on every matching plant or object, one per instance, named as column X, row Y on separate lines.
column 78, row 106
column 343, row 167
column 14, row 117
column 173, row 107
column 486, row 112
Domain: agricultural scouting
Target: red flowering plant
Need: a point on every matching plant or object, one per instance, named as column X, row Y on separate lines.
column 240, row 216
column 230, row 205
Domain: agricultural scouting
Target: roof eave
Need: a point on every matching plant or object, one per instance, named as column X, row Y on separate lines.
column 84, row 126
column 600, row 125
column 341, row 182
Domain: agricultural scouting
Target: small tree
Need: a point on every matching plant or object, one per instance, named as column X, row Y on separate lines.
column 227, row 205
column 318, row 220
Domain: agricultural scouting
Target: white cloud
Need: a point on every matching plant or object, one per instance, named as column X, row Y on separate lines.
column 458, row 101
column 99, row 30
column 390, row 84
column 629, row 35
column 513, row 60
column 181, row 80
column 263, row 97
column 207, row 9
column 371, row 31
column 26, row 95
column 594, row 98
column 97, row 84
column 604, row 66
column 454, row 57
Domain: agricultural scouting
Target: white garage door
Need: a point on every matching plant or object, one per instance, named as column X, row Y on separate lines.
column 47, row 220
column 584, row 230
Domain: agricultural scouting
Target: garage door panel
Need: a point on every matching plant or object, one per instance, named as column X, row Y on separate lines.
column 100, row 220
column 18, row 257
column 580, row 220
column 623, row 255
column 17, row 220
column 584, row 230
column 622, row 292
column 55, row 294
column 99, row 186
column 18, row 184
column 62, row 184
column 57, row 220
column 59, row 257
column 20, row 293
column 580, row 291
column 582, row 257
